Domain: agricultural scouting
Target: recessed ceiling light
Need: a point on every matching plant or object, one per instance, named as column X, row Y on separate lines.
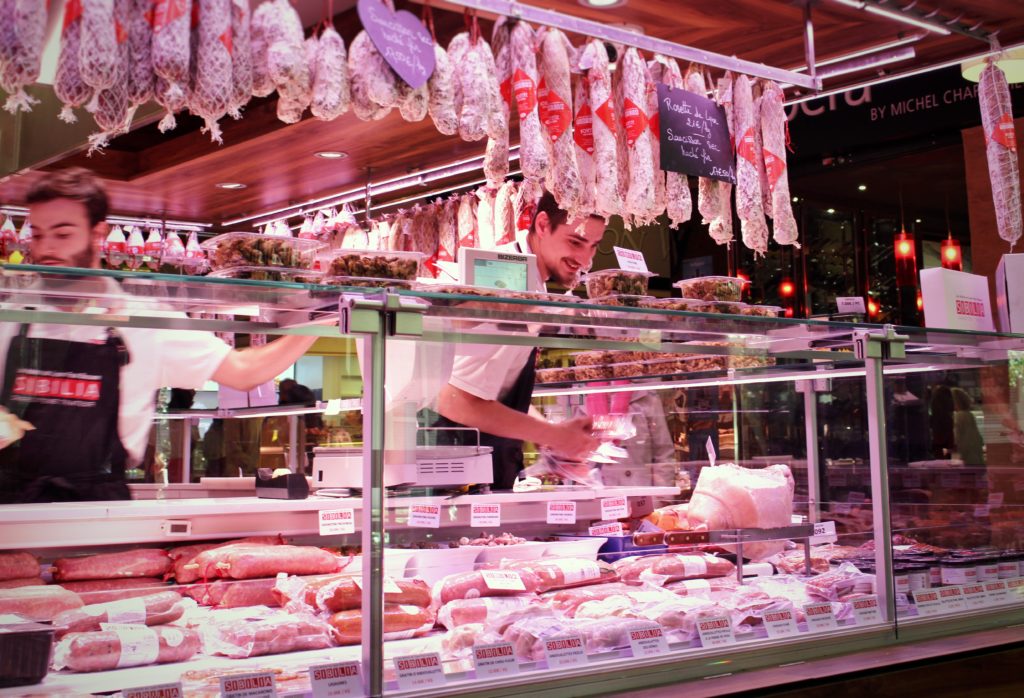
column 830, row 211
column 602, row 4
column 229, row 185
column 917, row 220
column 331, row 154
column 862, row 187
column 796, row 199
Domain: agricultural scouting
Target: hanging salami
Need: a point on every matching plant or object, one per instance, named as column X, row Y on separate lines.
column 112, row 109
column 678, row 200
column 721, row 229
column 413, row 104
column 364, row 68
column 583, row 142
column 653, row 125
column 466, row 221
column 533, row 152
column 241, row 58
column 69, row 86
column 471, row 100
column 766, row 194
column 748, row 180
column 262, row 84
column 330, row 84
column 504, row 215
column 440, row 94
column 21, row 60
column 486, row 234
column 708, row 194
column 98, row 50
column 640, row 193
column 171, row 55
column 773, row 129
column 594, row 61
column 212, row 89
column 496, row 156
column 140, row 52
column 555, row 108
column 621, row 148
column 447, row 230
column 1001, row 151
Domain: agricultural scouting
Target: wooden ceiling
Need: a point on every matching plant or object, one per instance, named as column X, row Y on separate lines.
column 174, row 174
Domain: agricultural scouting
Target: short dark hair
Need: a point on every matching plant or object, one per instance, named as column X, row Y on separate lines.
column 556, row 215
column 77, row 184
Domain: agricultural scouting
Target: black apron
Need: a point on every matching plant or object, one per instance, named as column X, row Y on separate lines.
column 70, row 392
column 508, row 453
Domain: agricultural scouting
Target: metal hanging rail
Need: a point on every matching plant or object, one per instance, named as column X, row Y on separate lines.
column 625, row 37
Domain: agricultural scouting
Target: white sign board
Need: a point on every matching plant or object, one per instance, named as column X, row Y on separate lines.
column 956, row 300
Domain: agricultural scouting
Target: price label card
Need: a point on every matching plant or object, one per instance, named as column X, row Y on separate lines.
column 606, row 529
column 1015, row 588
column 927, row 602
column 262, row 685
column 425, row 516
column 614, row 508
column 780, row 624
column 997, row 593
column 820, row 617
column 336, row 522
column 498, row 659
column 712, row 456
column 824, row 532
column 630, row 260
column 866, row 610
column 850, row 304
column 337, row 680
column 565, row 652
column 949, row 481
column 419, row 671
column 952, row 598
column 485, row 515
column 981, row 511
column 975, row 596
column 648, row 642
column 715, row 631
column 561, row 513
column 503, row 580
column 911, row 481
column 163, row 690
column 995, row 500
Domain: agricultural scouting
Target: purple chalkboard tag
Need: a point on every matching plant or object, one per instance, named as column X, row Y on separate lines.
column 402, row 40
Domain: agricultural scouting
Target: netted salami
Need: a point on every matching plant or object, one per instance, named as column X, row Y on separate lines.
column 171, row 53
column 212, row 90
column 241, row 58
column 471, row 100
column 748, row 180
column 555, row 111
column 709, row 198
column 262, row 84
column 440, row 94
column 721, row 225
column 331, row 95
column 678, row 200
column 363, row 69
column 496, row 156
column 583, row 141
column 773, row 129
column 533, row 152
column 8, row 39
column 112, row 108
column 1001, row 151
column 640, row 193
column 20, row 62
column 594, row 61
column 98, row 50
column 69, row 86
column 504, row 215
column 140, row 52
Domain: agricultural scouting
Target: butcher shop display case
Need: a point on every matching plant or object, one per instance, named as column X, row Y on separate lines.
column 765, row 490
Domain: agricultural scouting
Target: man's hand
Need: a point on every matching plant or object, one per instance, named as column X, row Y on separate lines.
column 573, row 439
column 11, row 428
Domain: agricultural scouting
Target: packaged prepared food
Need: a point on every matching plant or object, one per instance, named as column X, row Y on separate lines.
column 257, row 249
column 633, row 369
column 251, row 273
column 610, row 282
column 621, row 300
column 555, row 375
column 373, row 264
column 724, row 307
column 712, row 288
column 762, row 311
column 591, row 358
column 365, row 282
column 691, row 305
column 594, row 373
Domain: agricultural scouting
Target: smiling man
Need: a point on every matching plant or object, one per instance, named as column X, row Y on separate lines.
column 77, row 401
column 491, row 385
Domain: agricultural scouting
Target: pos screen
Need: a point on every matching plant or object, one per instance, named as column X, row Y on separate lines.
column 502, row 270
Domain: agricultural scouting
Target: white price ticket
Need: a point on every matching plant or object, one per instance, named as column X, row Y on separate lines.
column 975, row 596
column 425, row 516
column 502, row 580
column 614, row 508
column 606, row 529
column 820, row 616
column 498, row 659
column 262, row 685
column 337, row 522
column 485, row 515
column 866, row 610
column 780, row 623
column 952, row 598
column 997, row 592
column 630, row 260
column 715, row 631
column 419, row 671
column 927, row 602
column 163, row 690
column 563, row 652
column 824, row 532
column 648, row 642
column 561, row 513
column 337, row 680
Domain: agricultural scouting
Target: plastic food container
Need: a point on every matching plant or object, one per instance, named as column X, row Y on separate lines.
column 25, row 649
column 690, row 305
column 594, row 373
column 712, row 288
column 610, row 282
column 251, row 273
column 725, row 307
column 373, row 264
column 530, row 550
column 365, row 282
column 259, row 250
column 432, row 565
column 556, row 375
column 621, row 300
column 591, row 358
column 762, row 311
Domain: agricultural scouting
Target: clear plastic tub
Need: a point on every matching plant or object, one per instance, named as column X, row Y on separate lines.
column 365, row 282
column 621, row 300
column 610, row 282
column 373, row 264
column 556, row 375
column 251, row 273
column 459, row 289
column 712, row 288
column 259, row 250
column 763, row 311
column 591, row 358
column 725, row 307
column 679, row 304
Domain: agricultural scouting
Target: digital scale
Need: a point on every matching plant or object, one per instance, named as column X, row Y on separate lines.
column 508, row 271
column 435, row 466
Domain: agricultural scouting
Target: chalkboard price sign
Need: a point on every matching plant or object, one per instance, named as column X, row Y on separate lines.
column 402, row 40
column 694, row 135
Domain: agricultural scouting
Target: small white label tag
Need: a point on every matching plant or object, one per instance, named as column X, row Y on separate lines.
column 712, row 456
column 975, row 596
column 337, row 522
column 850, row 304
column 997, row 592
column 606, row 529
column 485, row 515
column 561, row 513
column 780, row 623
column 425, row 516
column 820, row 617
column 614, row 508
column 824, row 532
column 419, row 671
column 1015, row 587
column 565, row 652
column 337, row 680
column 261, row 685
column 995, row 500
column 648, row 642
column 502, row 580
column 630, row 260
column 952, row 598
column 697, row 587
column 927, row 602
column 866, row 610
column 981, row 511
column 715, row 631
column 498, row 659
column 163, row 690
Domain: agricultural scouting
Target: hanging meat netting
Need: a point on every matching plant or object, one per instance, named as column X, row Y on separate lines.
column 1001, row 150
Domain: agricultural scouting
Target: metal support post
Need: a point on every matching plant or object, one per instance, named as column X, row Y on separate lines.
column 186, row 449
column 811, row 439
column 294, row 447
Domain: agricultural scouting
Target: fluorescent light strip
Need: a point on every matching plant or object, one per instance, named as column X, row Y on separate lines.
column 904, row 17
column 21, row 211
column 863, row 52
column 856, row 66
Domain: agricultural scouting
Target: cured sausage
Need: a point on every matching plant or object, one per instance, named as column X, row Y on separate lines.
column 143, row 562
column 331, row 95
column 364, row 67
column 103, row 590
column 440, row 94
column 171, row 53
column 400, row 623
column 1001, row 151
column 533, row 152
column 640, row 201
column 471, row 100
column 262, row 84
column 594, row 61
column 18, row 564
column 183, row 555
column 496, row 157
column 709, row 199
column 473, row 585
column 212, row 90
column 241, row 58
column 155, row 609
column 678, row 200
column 721, row 225
column 583, row 140
column 748, row 180
column 344, row 594
column 69, row 86
column 140, row 52
column 504, row 215
column 657, row 70
column 466, row 611
column 21, row 59
column 125, row 647
column 39, row 603
column 250, row 561
column 555, row 109
column 773, row 128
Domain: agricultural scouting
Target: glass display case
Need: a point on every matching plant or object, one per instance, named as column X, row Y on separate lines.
column 765, row 490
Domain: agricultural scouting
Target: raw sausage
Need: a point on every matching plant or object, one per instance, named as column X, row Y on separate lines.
column 116, row 649
column 473, row 585
column 400, row 623
column 565, row 573
column 40, row 603
column 466, row 611
column 103, row 590
column 274, row 635
column 249, row 561
column 660, row 569
column 344, row 594
column 18, row 564
column 155, row 609
column 21, row 582
column 144, row 562
column 235, row 593
column 183, row 555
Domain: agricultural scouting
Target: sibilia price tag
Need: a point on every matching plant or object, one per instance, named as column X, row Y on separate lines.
column 561, row 513
column 337, row 680
column 866, row 610
column 566, row 651
column 262, row 685
column 780, row 623
column 1015, row 587
column 425, row 516
column 952, row 598
column 485, row 515
column 975, row 596
column 614, row 508
column 824, row 532
column 163, row 690
column 820, row 617
column 715, row 631
column 648, row 642
column 335, row 522
column 606, row 529
column 927, row 602
column 850, row 304
column 630, row 260
column 419, row 671
column 498, row 659
column 997, row 592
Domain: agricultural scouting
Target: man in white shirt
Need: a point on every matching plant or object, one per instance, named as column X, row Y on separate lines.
column 491, row 386
column 88, row 391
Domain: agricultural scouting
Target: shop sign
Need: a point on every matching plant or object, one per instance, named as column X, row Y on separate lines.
column 337, row 680
column 694, row 135
column 402, row 40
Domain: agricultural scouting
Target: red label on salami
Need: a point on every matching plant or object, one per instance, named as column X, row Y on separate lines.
column 225, row 39
column 747, row 148
column 655, row 123
column 775, row 168
column 634, row 121
column 525, row 219
column 525, row 93
column 72, row 12
column 121, row 32
column 556, row 117
column 542, row 100
column 506, row 91
column 166, row 11
column 606, row 113
column 583, row 129
column 1003, row 133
